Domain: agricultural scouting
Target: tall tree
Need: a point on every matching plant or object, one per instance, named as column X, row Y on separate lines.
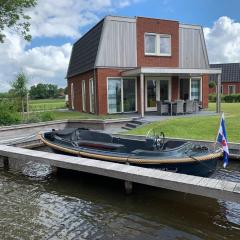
column 19, row 88
column 12, row 16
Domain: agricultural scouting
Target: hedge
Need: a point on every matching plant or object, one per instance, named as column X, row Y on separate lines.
column 225, row 98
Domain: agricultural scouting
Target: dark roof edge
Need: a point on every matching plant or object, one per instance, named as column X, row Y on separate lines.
column 85, row 34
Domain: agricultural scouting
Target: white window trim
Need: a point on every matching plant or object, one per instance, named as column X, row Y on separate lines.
column 90, row 98
column 190, row 87
column 157, row 45
column 234, row 87
column 72, row 96
column 200, row 87
column 84, row 97
column 122, row 106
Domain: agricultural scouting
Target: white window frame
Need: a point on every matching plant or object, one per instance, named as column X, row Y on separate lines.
column 234, row 87
column 200, row 87
column 91, row 101
column 157, row 79
column 122, row 105
column 157, row 45
column 72, row 96
column 83, row 95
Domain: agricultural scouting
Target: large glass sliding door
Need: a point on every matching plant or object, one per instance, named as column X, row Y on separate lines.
column 190, row 88
column 156, row 88
column 121, row 95
column 195, row 89
column 114, row 95
column 151, row 95
column 164, row 90
column 129, row 95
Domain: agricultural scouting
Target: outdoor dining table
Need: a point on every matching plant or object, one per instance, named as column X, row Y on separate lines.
column 170, row 103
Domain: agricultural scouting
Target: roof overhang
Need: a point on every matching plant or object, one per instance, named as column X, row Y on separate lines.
column 170, row 71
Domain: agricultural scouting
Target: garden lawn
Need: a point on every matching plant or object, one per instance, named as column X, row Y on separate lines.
column 46, row 104
column 198, row 127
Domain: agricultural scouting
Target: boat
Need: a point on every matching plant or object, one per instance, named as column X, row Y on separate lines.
column 153, row 152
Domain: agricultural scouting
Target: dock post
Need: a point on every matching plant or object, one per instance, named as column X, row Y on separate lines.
column 5, row 163
column 128, row 185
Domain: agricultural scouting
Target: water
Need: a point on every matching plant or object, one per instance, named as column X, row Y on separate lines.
column 37, row 205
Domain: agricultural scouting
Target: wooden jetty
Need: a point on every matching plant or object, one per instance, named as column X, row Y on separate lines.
column 208, row 187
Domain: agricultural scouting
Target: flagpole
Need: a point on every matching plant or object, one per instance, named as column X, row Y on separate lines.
column 215, row 143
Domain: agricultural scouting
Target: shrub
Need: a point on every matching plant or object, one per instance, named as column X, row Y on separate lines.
column 8, row 113
column 229, row 98
column 212, row 97
column 47, row 116
column 212, row 84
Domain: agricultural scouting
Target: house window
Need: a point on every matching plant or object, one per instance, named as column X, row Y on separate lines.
column 157, row 44
column 72, row 96
column 83, row 96
column 165, row 45
column 231, row 89
column 91, row 95
column 195, row 89
column 121, row 95
column 150, row 44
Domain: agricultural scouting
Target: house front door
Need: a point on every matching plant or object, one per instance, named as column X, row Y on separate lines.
column 156, row 88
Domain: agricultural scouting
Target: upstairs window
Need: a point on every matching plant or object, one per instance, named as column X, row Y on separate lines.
column 150, row 44
column 157, row 44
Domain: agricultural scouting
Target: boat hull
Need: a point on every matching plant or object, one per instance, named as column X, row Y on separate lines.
column 195, row 167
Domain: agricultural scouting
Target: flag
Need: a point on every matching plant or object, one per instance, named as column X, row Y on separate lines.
column 222, row 139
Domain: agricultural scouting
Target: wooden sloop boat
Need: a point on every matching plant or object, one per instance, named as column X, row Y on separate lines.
column 154, row 152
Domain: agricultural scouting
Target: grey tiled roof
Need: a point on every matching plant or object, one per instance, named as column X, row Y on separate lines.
column 230, row 72
column 84, row 51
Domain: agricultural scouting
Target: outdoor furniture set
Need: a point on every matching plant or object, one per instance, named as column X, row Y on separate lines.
column 177, row 107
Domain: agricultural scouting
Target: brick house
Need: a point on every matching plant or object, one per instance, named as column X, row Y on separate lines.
column 127, row 64
column 230, row 78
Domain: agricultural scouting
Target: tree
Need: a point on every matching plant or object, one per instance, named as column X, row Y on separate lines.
column 43, row 91
column 12, row 16
column 19, row 88
column 212, row 84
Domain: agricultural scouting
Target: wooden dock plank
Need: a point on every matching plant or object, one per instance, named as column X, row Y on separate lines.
column 213, row 188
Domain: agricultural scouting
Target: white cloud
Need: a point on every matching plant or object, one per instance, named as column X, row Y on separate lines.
column 62, row 18
column 223, row 41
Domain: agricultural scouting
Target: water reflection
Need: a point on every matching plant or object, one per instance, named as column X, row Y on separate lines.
column 82, row 206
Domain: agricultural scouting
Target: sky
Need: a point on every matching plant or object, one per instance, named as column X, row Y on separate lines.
column 56, row 25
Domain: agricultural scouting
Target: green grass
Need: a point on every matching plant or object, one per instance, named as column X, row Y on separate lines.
column 46, row 104
column 199, row 127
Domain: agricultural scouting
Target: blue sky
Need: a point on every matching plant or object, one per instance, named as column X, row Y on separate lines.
column 56, row 25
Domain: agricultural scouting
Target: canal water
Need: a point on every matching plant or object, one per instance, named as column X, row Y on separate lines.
column 35, row 204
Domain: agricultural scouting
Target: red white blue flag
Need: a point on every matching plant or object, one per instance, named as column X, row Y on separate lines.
column 222, row 139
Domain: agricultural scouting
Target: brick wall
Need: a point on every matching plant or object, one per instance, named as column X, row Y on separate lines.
column 150, row 25
column 101, row 84
column 77, row 86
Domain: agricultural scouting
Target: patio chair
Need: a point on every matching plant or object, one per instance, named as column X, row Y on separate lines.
column 196, row 106
column 162, row 108
column 189, row 104
column 177, row 107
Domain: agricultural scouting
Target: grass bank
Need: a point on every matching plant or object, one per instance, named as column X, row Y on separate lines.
column 46, row 104
column 199, row 127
